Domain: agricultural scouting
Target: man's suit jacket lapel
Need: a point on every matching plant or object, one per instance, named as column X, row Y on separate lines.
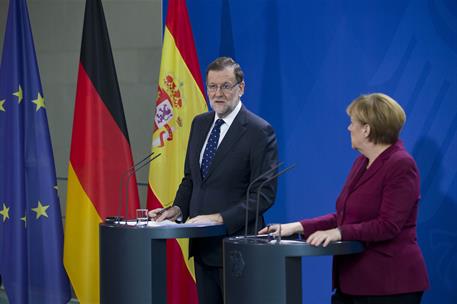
column 236, row 130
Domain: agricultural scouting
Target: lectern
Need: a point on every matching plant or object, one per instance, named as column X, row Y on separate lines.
column 257, row 270
column 133, row 260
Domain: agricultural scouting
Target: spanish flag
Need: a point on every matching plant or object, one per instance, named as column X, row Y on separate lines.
column 180, row 97
column 100, row 154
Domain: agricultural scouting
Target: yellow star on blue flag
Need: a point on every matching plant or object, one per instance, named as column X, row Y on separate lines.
column 39, row 101
column 19, row 94
column 40, row 210
column 24, row 219
column 5, row 212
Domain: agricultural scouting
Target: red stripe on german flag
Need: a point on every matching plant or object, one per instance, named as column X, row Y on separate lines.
column 100, row 153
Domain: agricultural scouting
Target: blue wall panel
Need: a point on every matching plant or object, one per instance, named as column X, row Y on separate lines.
column 306, row 60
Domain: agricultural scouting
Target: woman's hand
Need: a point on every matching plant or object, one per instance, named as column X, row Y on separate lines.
column 286, row 229
column 324, row 237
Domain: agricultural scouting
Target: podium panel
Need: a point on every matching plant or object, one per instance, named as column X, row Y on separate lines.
column 133, row 260
column 259, row 271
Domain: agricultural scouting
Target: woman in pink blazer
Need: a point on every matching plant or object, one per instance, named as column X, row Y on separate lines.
column 378, row 206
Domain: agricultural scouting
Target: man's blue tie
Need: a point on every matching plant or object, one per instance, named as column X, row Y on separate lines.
column 211, row 147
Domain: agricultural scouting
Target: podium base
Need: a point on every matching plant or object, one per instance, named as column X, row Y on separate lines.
column 260, row 271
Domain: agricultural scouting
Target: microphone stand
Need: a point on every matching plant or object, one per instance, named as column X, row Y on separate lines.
column 132, row 172
column 273, row 167
column 121, row 184
column 260, row 187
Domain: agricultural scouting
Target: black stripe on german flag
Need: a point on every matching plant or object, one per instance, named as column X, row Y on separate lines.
column 97, row 60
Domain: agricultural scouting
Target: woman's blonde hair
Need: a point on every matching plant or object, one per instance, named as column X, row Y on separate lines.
column 382, row 113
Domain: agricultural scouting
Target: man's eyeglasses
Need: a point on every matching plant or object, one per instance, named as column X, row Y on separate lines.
column 226, row 87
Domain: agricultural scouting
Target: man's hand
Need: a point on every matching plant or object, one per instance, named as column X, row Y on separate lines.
column 201, row 219
column 160, row 214
column 324, row 237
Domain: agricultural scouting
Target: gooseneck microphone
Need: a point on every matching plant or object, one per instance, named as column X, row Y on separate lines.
column 121, row 183
column 128, row 180
column 259, row 191
column 126, row 176
column 264, row 174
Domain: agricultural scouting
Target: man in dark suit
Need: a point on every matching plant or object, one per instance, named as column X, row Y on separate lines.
column 227, row 149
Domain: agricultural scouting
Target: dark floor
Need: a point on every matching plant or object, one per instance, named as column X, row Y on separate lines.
column 4, row 299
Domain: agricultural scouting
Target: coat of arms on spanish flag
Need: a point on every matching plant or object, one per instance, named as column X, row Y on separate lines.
column 180, row 97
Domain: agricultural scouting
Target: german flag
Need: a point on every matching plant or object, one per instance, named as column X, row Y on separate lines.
column 100, row 154
column 180, row 97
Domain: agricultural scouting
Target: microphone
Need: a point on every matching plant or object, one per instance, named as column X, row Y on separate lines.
column 273, row 168
column 121, row 187
column 132, row 172
column 260, row 188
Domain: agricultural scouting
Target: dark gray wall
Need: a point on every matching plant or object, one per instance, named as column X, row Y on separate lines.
column 135, row 32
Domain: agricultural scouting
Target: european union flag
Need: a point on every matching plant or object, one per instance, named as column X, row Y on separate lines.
column 31, row 234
